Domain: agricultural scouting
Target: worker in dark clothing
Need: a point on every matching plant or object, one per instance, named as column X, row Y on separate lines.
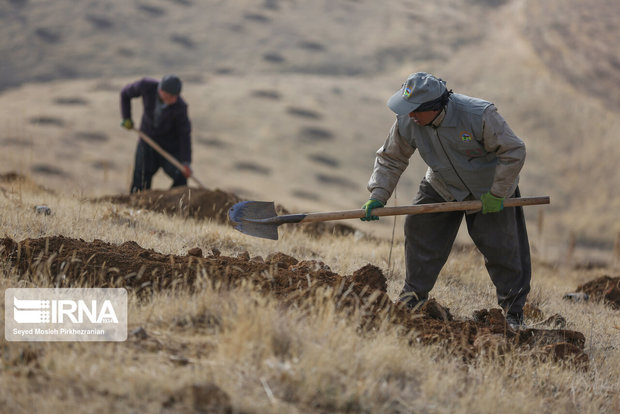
column 165, row 120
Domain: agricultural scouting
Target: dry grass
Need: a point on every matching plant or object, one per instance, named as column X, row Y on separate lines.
column 270, row 359
column 303, row 110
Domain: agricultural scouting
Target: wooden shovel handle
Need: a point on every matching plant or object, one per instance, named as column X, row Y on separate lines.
column 421, row 209
column 166, row 155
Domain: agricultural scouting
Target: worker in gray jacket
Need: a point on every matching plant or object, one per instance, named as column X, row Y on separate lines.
column 472, row 154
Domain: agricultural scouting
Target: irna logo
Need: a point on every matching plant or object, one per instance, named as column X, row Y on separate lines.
column 64, row 310
column 65, row 314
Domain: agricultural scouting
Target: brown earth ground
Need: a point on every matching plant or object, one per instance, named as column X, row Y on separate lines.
column 605, row 289
column 67, row 262
column 206, row 204
column 14, row 178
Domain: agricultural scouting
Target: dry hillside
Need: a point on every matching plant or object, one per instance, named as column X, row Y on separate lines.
column 287, row 97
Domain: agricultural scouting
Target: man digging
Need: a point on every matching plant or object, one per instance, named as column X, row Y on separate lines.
column 472, row 154
column 164, row 120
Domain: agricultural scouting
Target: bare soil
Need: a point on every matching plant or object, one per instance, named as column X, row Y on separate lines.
column 18, row 180
column 605, row 289
column 67, row 262
column 205, row 204
column 183, row 201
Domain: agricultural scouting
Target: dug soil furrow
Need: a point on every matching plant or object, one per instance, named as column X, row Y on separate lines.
column 67, row 262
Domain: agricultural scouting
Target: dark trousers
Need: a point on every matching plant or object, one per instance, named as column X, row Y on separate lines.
column 148, row 161
column 501, row 237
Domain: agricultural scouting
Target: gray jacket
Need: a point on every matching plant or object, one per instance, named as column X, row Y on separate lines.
column 469, row 148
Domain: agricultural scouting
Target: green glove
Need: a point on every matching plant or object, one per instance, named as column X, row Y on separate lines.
column 491, row 204
column 370, row 204
column 127, row 123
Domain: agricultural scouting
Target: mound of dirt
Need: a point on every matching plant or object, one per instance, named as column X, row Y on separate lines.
column 605, row 288
column 69, row 262
column 13, row 178
column 206, row 204
column 183, row 201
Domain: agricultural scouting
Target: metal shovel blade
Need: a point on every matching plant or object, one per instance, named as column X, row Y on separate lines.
column 249, row 217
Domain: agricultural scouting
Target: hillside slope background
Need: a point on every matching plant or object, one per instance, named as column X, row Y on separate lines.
column 287, row 98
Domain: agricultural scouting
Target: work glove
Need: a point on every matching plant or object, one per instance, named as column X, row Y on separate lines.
column 370, row 204
column 491, row 204
column 127, row 123
column 187, row 172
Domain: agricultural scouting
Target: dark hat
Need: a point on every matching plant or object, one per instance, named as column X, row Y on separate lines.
column 170, row 84
column 419, row 88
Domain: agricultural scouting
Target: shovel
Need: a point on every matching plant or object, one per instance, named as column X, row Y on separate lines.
column 166, row 155
column 259, row 218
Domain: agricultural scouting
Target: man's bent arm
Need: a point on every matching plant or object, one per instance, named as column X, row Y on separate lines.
column 132, row 90
column 392, row 159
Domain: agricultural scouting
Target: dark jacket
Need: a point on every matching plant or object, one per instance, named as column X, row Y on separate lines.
column 173, row 128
